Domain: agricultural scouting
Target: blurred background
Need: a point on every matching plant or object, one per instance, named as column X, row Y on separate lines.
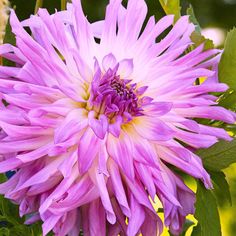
column 216, row 17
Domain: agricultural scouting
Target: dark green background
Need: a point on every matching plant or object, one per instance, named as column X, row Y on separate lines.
column 209, row 12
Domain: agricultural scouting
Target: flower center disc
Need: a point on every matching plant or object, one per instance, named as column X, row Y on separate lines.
column 114, row 97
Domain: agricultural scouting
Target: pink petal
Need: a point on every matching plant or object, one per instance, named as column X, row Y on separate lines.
column 210, row 112
column 50, row 223
column 118, row 188
column 125, row 68
column 109, row 62
column 101, row 184
column 121, row 152
column 152, row 129
column 97, row 218
column 9, row 164
column 88, row 149
column 137, row 217
column 99, row 126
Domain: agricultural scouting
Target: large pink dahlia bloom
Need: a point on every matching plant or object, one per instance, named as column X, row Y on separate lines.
column 95, row 113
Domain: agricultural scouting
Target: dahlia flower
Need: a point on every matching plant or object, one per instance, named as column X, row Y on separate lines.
column 96, row 114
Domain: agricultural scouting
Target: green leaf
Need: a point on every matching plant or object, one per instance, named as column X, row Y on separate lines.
column 9, row 216
column 193, row 18
column 10, row 211
column 196, row 36
column 230, row 128
column 227, row 70
column 228, row 100
column 198, row 39
column 20, row 230
column 206, row 212
column 63, row 4
column 8, row 38
column 227, row 66
column 38, row 4
column 4, row 232
column 219, row 156
column 171, row 7
column 187, row 225
column 3, row 178
column 221, row 188
column 36, row 229
column 196, row 230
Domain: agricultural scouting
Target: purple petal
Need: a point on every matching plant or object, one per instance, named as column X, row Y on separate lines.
column 152, row 129
column 99, row 126
column 121, row 152
column 118, row 188
column 87, row 150
column 125, row 68
column 109, row 62
column 137, row 217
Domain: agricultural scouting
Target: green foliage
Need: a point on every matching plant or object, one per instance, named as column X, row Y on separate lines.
column 206, row 213
column 39, row 4
column 171, row 7
column 198, row 39
column 9, row 38
column 63, row 4
column 219, row 156
column 196, row 230
column 196, row 36
column 187, row 225
column 221, row 188
column 228, row 100
column 24, row 8
column 215, row 158
column 10, row 222
column 227, row 66
column 193, row 18
column 227, row 70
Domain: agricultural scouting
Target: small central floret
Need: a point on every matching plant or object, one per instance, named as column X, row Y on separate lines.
column 121, row 89
column 123, row 97
column 112, row 96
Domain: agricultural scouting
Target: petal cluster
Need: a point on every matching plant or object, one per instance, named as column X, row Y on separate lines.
column 95, row 115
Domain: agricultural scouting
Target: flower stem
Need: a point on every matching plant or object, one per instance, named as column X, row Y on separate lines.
column 39, row 3
column 63, row 5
